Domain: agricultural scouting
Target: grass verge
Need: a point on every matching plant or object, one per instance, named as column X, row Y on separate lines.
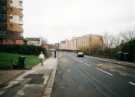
column 8, row 59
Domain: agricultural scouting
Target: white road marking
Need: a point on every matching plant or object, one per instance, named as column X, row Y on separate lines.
column 105, row 72
column 131, row 83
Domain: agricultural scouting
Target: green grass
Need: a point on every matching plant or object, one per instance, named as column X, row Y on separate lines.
column 31, row 61
column 8, row 59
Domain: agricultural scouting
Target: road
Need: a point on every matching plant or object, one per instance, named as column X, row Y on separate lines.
column 90, row 77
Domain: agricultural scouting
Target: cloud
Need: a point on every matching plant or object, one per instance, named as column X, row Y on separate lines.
column 60, row 19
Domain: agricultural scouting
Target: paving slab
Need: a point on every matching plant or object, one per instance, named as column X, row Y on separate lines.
column 32, row 83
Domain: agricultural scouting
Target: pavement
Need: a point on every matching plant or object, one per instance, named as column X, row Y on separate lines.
column 90, row 77
column 8, row 75
column 37, row 82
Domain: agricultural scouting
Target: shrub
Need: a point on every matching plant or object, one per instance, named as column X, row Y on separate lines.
column 23, row 49
column 129, row 47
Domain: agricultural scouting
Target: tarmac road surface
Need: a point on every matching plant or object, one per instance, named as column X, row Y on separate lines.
column 89, row 77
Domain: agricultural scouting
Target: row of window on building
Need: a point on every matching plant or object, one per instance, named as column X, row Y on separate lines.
column 16, row 3
column 83, row 42
column 16, row 19
column 11, row 21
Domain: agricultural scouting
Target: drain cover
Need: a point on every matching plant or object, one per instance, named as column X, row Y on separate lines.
column 35, row 78
column 33, row 75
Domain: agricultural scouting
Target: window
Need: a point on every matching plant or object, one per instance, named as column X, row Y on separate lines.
column 2, row 18
column 11, row 17
column 11, row 1
column 21, row 18
column 20, row 2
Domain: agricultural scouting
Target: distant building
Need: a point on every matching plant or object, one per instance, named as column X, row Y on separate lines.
column 45, row 46
column 84, row 42
column 62, row 45
column 56, row 45
column 90, row 42
column 11, row 21
column 33, row 41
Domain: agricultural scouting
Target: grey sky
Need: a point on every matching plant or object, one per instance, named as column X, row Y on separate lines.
column 60, row 19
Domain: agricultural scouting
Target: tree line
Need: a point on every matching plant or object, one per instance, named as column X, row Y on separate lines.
column 120, row 47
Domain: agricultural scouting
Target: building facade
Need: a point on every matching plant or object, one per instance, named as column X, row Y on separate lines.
column 33, row 41
column 11, row 21
column 84, row 42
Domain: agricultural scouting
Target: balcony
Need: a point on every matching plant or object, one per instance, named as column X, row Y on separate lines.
column 16, row 4
column 14, row 11
column 16, row 19
column 14, row 27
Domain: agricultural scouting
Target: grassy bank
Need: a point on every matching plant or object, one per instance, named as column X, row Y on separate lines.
column 8, row 59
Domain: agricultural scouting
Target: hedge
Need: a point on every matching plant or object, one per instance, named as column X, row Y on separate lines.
column 129, row 47
column 23, row 49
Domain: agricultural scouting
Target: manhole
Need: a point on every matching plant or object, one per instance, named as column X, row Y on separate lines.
column 36, row 81
column 35, row 78
column 33, row 75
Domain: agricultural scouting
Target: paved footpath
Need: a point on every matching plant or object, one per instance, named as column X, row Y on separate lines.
column 37, row 82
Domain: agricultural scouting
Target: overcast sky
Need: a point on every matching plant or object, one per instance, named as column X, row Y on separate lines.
column 57, row 20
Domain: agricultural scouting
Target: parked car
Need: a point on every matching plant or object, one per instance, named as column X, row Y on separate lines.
column 80, row 54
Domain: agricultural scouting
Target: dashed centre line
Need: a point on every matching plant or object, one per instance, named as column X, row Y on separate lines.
column 108, row 73
column 131, row 83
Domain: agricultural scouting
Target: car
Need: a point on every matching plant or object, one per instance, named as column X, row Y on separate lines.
column 80, row 54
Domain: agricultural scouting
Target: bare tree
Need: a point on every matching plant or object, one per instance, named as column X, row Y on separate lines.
column 126, row 36
column 111, row 41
